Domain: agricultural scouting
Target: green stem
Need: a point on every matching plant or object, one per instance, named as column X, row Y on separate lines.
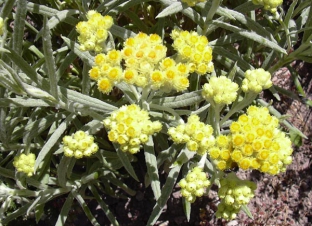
column 135, row 92
column 86, row 179
column 143, row 100
column 217, row 110
column 212, row 11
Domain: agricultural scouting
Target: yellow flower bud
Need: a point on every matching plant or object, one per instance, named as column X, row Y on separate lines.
column 25, row 163
column 79, row 144
column 256, row 80
column 220, row 90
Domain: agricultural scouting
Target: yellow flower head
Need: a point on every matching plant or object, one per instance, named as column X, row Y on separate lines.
column 197, row 135
column 94, row 32
column 220, row 90
column 256, row 80
column 79, row 144
column 258, row 143
column 193, row 49
column 25, row 163
column 130, row 127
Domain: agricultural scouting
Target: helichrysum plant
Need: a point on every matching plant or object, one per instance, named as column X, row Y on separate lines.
column 88, row 88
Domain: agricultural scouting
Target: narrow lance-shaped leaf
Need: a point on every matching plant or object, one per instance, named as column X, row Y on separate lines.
column 49, row 59
column 165, row 193
column 307, row 33
column 121, row 32
column 247, row 211
column 173, row 8
column 19, row 212
column 7, row 8
column 68, row 60
column 189, row 12
column 151, row 164
column 62, row 169
column 186, row 208
column 223, row 52
column 25, row 67
column 65, row 210
column 45, row 151
column 85, row 56
column 250, row 35
column 41, row 9
column 126, row 163
column 59, row 17
column 19, row 24
column 182, row 100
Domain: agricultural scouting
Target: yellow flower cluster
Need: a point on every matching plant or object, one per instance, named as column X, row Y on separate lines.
column 256, row 80
column 193, row 50
column 79, row 144
column 220, row 90
column 192, row 2
column 258, row 143
column 25, row 163
column 145, row 65
column 194, row 184
column 197, row 136
column 269, row 4
column 129, row 126
column 234, row 193
column 1, row 26
column 221, row 152
column 94, row 32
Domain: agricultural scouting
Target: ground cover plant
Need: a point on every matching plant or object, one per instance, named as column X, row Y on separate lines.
column 92, row 90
